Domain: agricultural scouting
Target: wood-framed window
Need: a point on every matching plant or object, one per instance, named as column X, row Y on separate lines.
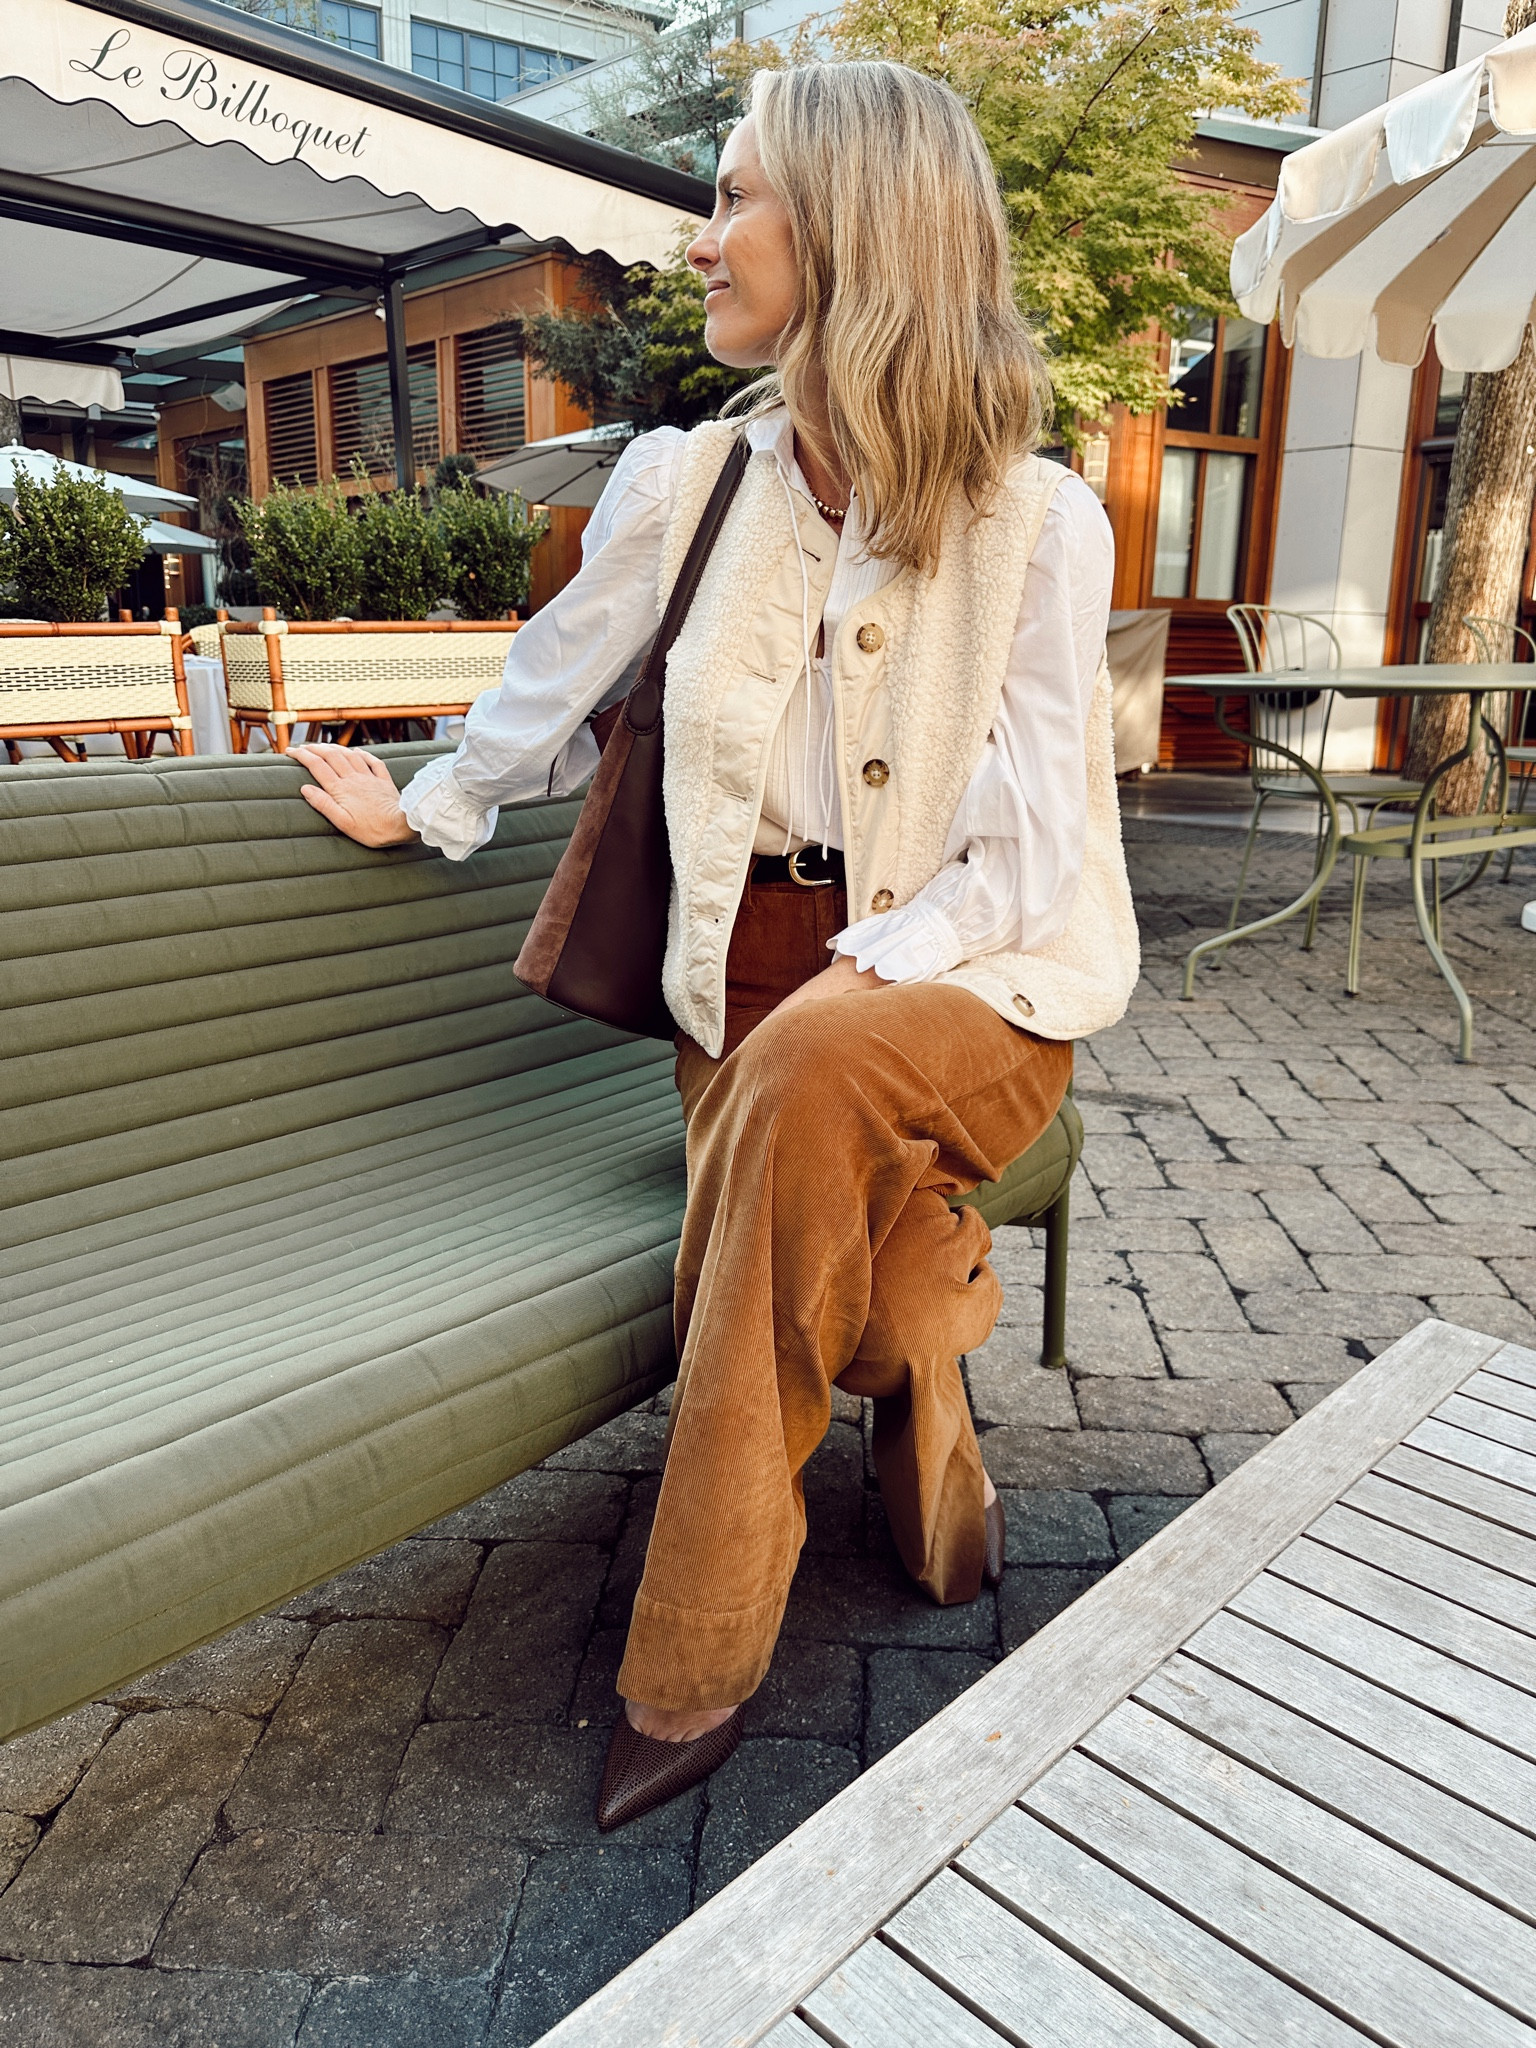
column 1211, row 457
column 1199, row 531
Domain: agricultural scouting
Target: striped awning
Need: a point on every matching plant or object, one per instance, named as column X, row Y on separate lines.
column 173, row 171
column 1418, row 217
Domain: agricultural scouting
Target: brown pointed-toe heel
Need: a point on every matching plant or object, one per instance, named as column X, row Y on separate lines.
column 642, row 1773
column 997, row 1545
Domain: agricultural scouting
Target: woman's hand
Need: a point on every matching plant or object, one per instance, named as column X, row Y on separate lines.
column 840, row 979
column 356, row 793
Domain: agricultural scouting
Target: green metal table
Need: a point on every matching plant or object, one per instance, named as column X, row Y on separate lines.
column 1419, row 839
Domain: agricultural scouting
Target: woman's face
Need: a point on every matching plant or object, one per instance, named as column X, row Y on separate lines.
column 747, row 260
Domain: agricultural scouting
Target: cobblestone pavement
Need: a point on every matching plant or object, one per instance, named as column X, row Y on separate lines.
column 363, row 1821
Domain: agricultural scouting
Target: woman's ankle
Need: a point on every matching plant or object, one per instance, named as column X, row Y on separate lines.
column 679, row 1724
column 988, row 1490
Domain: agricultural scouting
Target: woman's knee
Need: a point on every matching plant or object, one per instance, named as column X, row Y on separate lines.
column 808, row 1057
column 932, row 1292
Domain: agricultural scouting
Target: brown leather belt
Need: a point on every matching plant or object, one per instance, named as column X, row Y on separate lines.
column 809, row 868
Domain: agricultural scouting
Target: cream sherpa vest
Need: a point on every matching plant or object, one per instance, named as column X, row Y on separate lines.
column 917, row 675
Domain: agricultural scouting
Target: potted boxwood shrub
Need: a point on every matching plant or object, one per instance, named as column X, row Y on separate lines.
column 489, row 542
column 66, row 544
column 306, row 550
column 404, row 557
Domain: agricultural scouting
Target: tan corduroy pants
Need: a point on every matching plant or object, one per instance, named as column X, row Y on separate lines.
column 819, row 1248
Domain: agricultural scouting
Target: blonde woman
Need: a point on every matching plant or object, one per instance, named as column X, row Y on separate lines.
column 899, row 890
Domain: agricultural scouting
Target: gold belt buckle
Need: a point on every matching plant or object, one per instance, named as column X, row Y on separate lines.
column 805, row 881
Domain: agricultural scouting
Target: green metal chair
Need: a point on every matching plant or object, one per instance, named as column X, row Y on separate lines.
column 1291, row 726
column 1428, row 840
column 1499, row 640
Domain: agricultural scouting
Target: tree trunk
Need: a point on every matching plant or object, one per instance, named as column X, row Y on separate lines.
column 1487, row 529
column 10, row 421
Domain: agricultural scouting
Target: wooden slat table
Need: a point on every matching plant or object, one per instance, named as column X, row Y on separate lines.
column 1272, row 1781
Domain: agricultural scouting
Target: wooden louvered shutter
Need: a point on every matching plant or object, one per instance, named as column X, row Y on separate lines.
column 288, row 411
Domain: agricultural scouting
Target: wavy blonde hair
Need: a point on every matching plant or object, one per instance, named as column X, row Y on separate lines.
column 934, row 384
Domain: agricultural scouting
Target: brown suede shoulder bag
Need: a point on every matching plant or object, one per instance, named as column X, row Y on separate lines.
column 598, row 939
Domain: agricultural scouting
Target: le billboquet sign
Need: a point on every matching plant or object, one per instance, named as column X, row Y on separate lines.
column 190, row 77
column 73, row 54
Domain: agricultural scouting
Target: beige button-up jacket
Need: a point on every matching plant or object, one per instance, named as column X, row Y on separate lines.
column 917, row 674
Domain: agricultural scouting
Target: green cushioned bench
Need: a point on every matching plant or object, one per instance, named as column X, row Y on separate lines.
column 315, row 1224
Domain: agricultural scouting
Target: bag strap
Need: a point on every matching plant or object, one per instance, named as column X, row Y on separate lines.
column 642, row 707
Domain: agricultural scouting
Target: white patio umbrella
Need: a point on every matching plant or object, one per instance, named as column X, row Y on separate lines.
column 567, row 469
column 144, row 498
column 1417, row 217
column 161, row 538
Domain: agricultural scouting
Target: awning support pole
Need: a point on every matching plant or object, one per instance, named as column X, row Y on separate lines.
column 399, row 382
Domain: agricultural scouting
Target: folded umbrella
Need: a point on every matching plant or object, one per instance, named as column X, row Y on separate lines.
column 1418, row 217
column 139, row 496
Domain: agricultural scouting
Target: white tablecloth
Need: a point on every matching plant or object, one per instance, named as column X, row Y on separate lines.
column 206, row 702
column 1138, row 652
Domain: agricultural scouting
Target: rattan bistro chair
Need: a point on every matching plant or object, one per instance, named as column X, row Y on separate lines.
column 1497, row 640
column 1294, row 723
column 60, row 683
column 343, row 675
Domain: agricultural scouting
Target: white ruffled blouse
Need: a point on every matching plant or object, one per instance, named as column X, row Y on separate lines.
column 1015, row 850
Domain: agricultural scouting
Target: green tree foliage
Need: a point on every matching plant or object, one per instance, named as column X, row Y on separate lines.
column 489, row 541
column 306, row 552
column 635, row 350
column 675, row 98
column 66, row 544
column 404, row 556
column 454, row 472
column 301, row 14
column 1084, row 106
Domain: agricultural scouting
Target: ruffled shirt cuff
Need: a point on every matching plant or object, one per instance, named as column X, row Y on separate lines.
column 915, row 943
column 437, row 809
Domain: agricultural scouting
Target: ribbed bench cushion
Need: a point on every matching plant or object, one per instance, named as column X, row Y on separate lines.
column 314, row 1224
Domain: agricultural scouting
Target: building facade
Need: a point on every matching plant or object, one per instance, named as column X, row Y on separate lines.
column 1310, row 485
column 316, row 393
column 492, row 48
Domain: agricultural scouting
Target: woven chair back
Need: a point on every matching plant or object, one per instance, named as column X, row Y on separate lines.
column 56, row 677
column 342, row 667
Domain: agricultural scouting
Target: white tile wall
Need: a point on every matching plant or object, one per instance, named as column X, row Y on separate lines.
column 1420, row 33
column 1309, row 533
column 1359, row 32
column 1475, row 42
column 1288, row 37
column 1349, row 93
column 1351, row 748
column 1370, row 525
column 1381, row 409
column 1321, row 413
